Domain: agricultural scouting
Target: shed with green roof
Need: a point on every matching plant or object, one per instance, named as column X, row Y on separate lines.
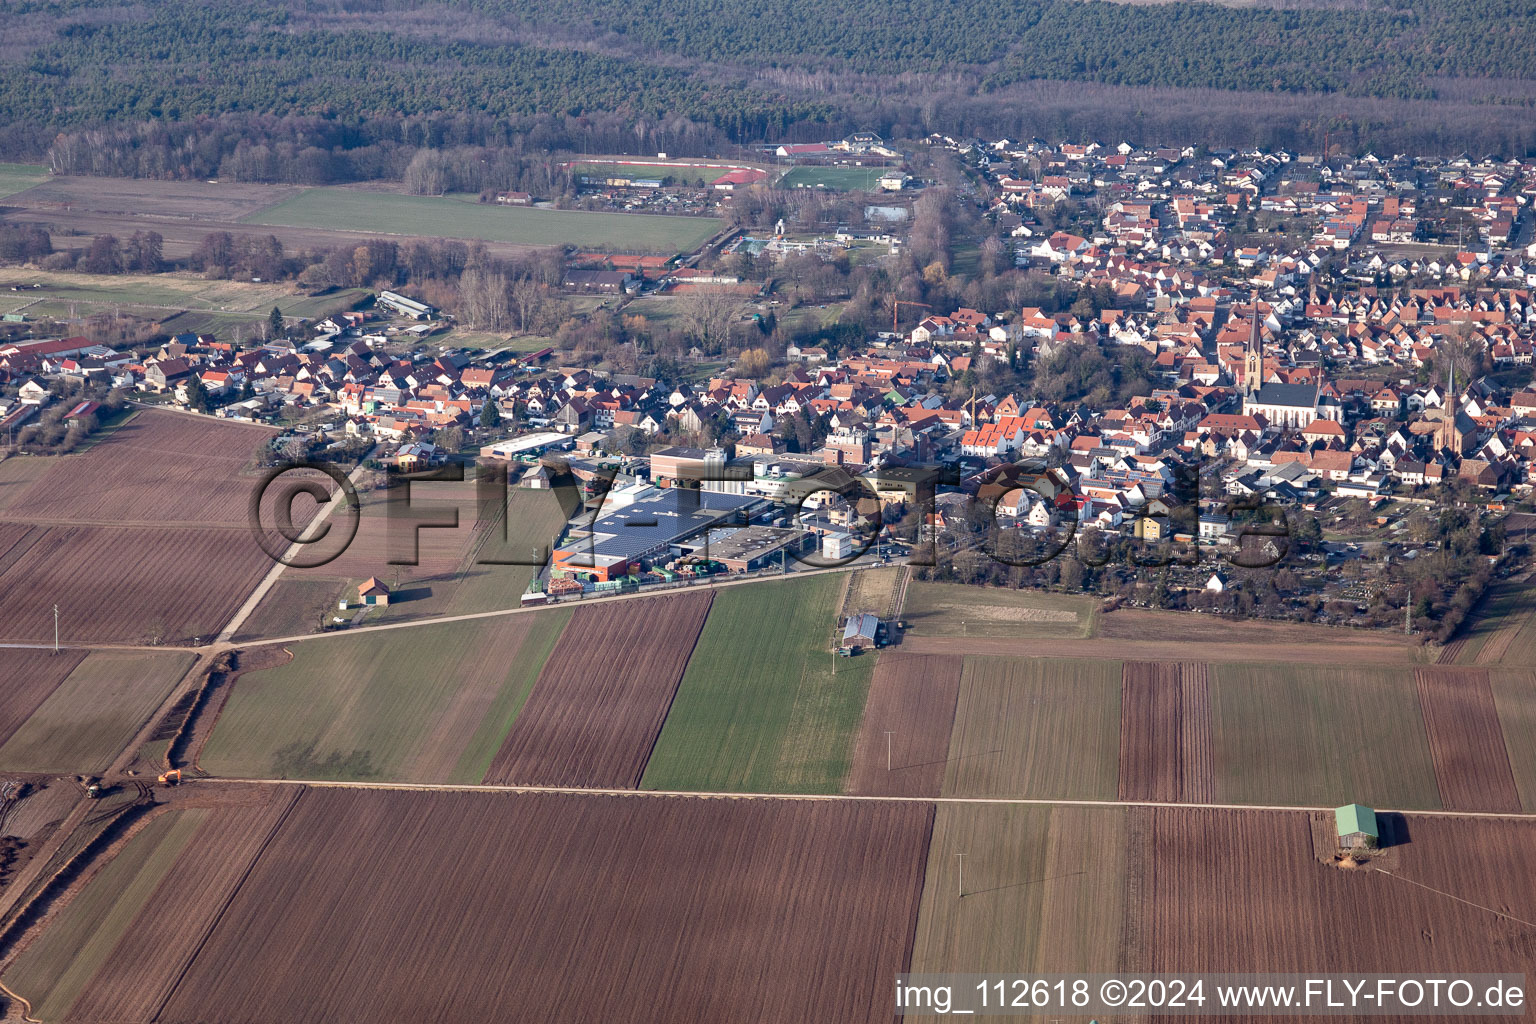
column 1356, row 826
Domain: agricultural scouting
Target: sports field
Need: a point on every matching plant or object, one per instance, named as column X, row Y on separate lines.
column 19, row 177
column 439, row 217
column 765, row 706
column 838, row 179
column 417, row 705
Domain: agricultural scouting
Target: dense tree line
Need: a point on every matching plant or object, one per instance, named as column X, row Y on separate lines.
column 336, row 90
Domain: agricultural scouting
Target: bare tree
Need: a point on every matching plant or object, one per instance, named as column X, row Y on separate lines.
column 707, row 315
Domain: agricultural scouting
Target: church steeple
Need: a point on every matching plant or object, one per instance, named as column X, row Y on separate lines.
column 1253, row 356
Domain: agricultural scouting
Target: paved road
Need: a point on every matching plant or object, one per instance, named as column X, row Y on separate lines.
column 338, row 499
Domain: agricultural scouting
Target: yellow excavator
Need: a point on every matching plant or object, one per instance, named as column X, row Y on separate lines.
column 171, row 778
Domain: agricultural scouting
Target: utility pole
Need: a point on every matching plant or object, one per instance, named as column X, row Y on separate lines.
column 887, row 750
column 962, row 874
column 55, row 629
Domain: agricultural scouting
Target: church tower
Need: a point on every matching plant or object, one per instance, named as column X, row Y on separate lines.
column 1253, row 356
column 1446, row 435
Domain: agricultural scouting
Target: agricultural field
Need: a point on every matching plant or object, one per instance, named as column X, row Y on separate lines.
column 157, row 468
column 1454, row 897
column 791, row 910
column 837, row 179
column 1165, row 732
column 167, row 583
column 204, row 875
column 437, row 216
column 150, row 294
column 1043, row 890
column 428, row 704
column 903, row 742
column 1080, row 890
column 1466, row 741
column 1502, row 631
column 954, row 609
column 142, row 537
column 54, row 969
column 27, row 679
column 594, row 713
column 1308, row 735
column 20, row 177
column 765, row 705
column 449, row 577
column 1037, row 728
column 93, row 713
column 1514, row 697
column 873, row 590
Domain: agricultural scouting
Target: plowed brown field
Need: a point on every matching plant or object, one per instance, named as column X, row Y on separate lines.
column 141, row 538
column 1465, row 738
column 159, row 466
column 133, row 585
column 374, row 906
column 1236, row 891
column 1165, row 733
column 597, row 708
column 912, row 696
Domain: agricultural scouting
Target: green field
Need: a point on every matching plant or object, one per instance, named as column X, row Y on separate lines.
column 1044, row 890
column 1036, row 727
column 437, row 217
column 430, row 704
column 20, row 177
column 765, row 705
column 838, row 179
column 954, row 609
column 55, row 968
column 1319, row 736
column 94, row 713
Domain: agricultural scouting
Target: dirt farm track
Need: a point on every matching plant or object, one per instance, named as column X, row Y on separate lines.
column 182, row 212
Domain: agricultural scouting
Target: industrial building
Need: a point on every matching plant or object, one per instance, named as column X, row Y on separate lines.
column 405, row 306
column 526, row 446
column 651, row 529
column 750, row 548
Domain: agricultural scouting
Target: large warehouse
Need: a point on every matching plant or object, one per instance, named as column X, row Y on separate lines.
column 615, row 544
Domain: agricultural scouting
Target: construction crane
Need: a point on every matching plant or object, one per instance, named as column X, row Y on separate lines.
column 171, row 778
column 896, row 305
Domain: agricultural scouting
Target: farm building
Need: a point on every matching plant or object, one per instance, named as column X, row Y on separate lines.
column 373, row 592
column 860, row 630
column 405, row 306
column 1356, row 826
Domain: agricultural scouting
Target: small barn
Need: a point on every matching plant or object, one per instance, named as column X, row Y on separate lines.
column 860, row 630
column 1357, row 828
column 372, row 591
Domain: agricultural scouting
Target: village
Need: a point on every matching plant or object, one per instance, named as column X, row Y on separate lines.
column 1306, row 343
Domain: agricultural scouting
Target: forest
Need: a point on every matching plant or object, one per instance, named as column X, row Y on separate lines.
column 355, row 86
